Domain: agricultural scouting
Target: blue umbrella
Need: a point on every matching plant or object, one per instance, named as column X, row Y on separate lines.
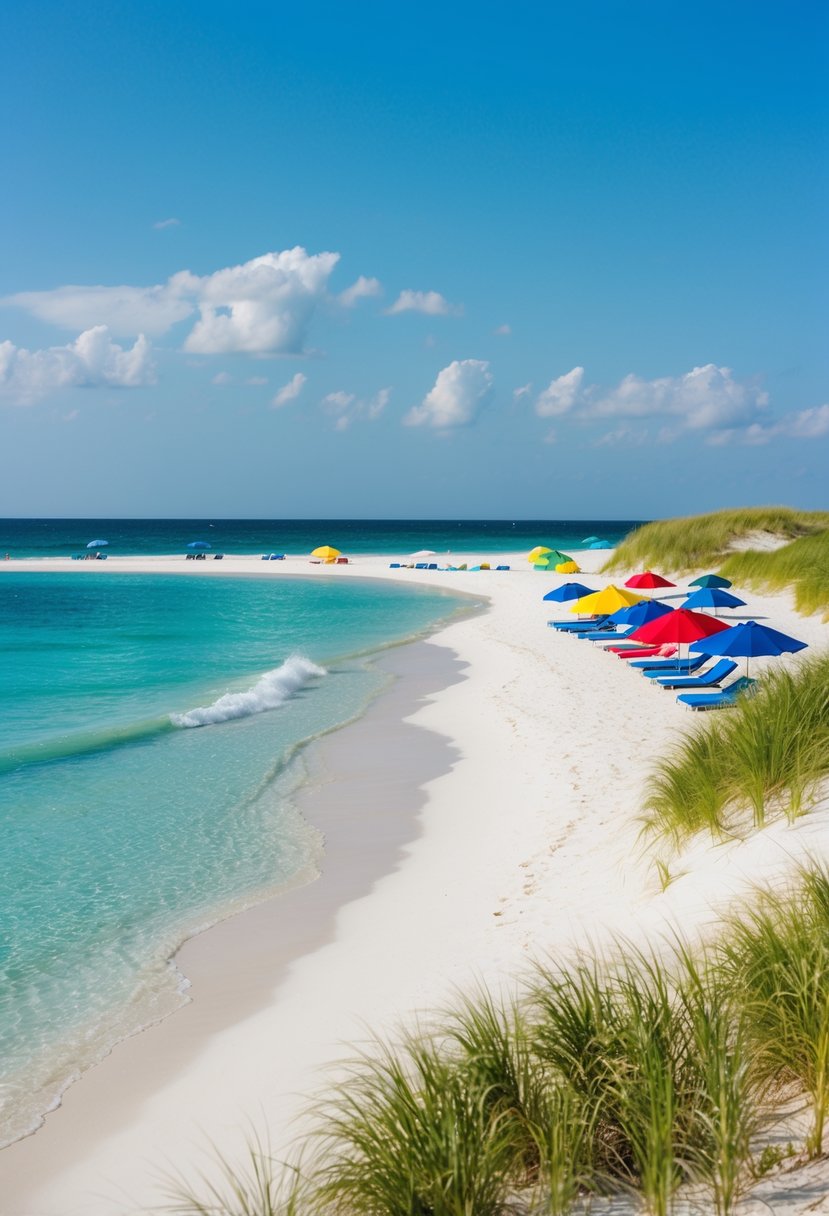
column 568, row 591
column 710, row 580
column 97, row 544
column 712, row 597
column 198, row 544
column 590, row 540
column 641, row 613
column 748, row 640
column 601, row 544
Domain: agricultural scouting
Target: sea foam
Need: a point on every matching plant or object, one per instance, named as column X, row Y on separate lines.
column 273, row 689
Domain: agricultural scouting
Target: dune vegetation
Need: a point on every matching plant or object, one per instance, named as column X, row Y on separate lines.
column 638, row 1075
column 707, row 541
column 767, row 757
column 802, row 565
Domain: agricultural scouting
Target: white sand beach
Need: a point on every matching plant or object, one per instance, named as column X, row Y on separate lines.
column 482, row 815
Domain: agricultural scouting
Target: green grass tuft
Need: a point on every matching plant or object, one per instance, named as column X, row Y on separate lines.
column 802, row 565
column 769, row 754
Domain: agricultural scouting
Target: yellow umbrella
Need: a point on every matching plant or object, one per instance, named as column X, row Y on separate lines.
column 326, row 552
column 611, row 599
column 537, row 552
column 567, row 568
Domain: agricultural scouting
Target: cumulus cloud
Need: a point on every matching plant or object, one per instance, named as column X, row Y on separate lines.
column 263, row 307
column 91, row 361
column 348, row 407
column 459, row 392
column 289, row 391
column 172, row 222
column 360, row 290
column 560, row 395
column 803, row 424
column 430, row 302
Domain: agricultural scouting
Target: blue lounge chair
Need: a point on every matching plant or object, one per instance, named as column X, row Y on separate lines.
column 663, row 667
column 723, row 699
column 577, row 626
column 708, row 679
column 395, row 566
column 502, row 567
column 606, row 635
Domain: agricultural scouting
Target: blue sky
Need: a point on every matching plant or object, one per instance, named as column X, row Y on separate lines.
column 527, row 260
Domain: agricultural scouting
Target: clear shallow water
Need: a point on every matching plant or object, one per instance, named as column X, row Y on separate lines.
column 146, row 745
column 63, row 537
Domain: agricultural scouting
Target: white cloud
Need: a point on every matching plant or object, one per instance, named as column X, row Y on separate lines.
column 706, row 398
column 430, row 302
column 560, row 395
column 360, row 290
column 264, row 306
column 523, row 390
column 289, row 391
column 503, row 331
column 172, row 222
column 222, row 378
column 92, row 360
column 126, row 311
column 458, row 394
column 805, row 424
column 350, row 408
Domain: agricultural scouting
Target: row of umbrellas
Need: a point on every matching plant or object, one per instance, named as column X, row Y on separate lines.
column 657, row 623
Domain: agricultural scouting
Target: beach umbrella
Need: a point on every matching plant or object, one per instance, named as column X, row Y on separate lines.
column 601, row 544
column 536, row 553
column 553, row 558
column 710, row 580
column 648, row 580
column 198, row 544
column 678, row 627
column 570, row 567
column 424, row 553
column 641, row 613
column 590, row 540
column 609, row 600
column 712, row 597
column 569, row 591
column 749, row 640
column 326, row 552
column 97, row 544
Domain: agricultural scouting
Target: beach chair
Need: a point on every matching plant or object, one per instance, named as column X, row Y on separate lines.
column 342, row 561
column 218, row 557
column 632, row 651
column 577, row 626
column 266, row 557
column 723, row 699
column 664, row 667
column 502, row 567
column 277, row 557
column 708, row 679
column 395, row 566
column 605, row 634
column 420, row 566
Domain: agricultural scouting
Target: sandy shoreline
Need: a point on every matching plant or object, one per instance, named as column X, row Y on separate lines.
column 513, row 836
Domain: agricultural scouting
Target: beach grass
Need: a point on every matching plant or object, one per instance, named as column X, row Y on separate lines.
column 802, row 565
column 767, row 756
column 700, row 541
column 633, row 1074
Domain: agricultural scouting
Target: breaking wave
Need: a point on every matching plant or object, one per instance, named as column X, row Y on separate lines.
column 270, row 691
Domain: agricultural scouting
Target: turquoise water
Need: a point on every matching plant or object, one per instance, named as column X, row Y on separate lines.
column 131, row 537
column 148, row 753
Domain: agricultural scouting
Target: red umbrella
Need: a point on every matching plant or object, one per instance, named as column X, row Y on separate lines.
column 648, row 579
column 681, row 625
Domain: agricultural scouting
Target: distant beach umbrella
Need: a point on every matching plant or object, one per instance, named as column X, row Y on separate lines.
column 712, row 597
column 551, row 559
column 641, row 613
column 569, row 591
column 590, row 540
column 647, row 579
column 749, row 640
column 537, row 553
column 601, row 544
column 710, row 580
column 97, row 544
column 609, row 600
column 570, row 567
column 327, row 552
column 199, row 544
column 424, row 553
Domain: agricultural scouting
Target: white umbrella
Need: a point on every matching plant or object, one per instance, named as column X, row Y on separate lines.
column 424, row 553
